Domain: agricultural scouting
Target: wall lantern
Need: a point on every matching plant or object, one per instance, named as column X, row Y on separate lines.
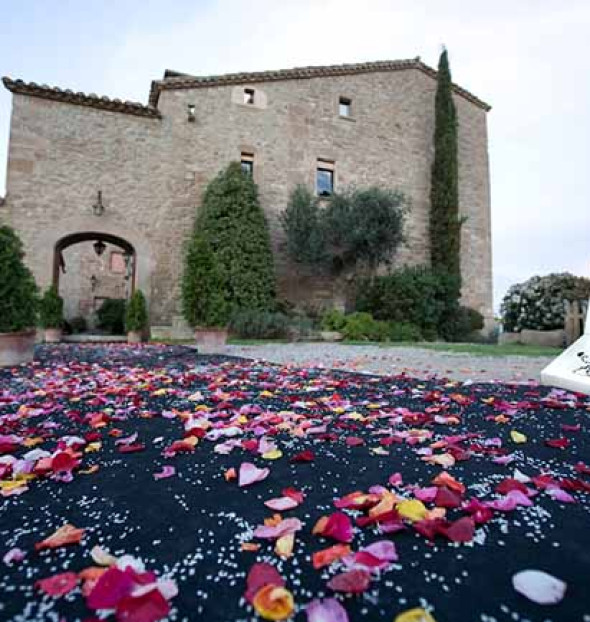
column 99, row 247
column 93, row 282
column 98, row 207
column 191, row 113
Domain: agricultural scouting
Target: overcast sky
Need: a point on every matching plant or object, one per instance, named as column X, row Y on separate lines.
column 527, row 58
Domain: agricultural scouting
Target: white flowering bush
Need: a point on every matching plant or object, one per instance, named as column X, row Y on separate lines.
column 538, row 303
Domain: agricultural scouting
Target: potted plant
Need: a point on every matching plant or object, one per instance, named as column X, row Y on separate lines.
column 136, row 317
column 52, row 314
column 203, row 303
column 18, row 302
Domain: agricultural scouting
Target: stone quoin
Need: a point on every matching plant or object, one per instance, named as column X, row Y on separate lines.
column 367, row 123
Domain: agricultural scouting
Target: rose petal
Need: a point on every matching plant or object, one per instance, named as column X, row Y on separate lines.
column 328, row 610
column 59, row 584
column 250, row 474
column 281, row 504
column 261, row 574
column 274, row 603
column 540, row 587
column 167, row 471
column 351, row 582
column 149, row 607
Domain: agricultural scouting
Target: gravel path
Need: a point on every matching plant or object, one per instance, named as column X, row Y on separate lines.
column 417, row 362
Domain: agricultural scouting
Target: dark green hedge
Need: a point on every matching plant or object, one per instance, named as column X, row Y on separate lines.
column 233, row 223
column 18, row 291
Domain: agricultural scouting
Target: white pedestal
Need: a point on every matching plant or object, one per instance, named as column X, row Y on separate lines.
column 571, row 369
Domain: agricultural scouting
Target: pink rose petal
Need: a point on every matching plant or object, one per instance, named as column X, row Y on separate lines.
column 328, row 610
column 14, row 555
column 281, row 504
column 287, row 526
column 167, row 471
column 250, row 474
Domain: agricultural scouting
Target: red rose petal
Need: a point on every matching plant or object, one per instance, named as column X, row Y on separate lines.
column 351, row 582
column 261, row 574
column 59, row 584
column 149, row 607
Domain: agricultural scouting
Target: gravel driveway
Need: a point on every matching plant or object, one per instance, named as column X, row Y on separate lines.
column 417, row 362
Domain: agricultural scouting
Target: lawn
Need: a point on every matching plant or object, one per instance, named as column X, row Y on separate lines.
column 194, row 489
column 476, row 349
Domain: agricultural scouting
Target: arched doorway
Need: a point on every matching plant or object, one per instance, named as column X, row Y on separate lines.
column 90, row 268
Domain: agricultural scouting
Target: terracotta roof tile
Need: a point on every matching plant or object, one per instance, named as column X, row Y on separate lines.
column 79, row 99
column 176, row 80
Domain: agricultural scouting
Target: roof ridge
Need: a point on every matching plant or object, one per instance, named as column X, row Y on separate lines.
column 177, row 80
column 82, row 99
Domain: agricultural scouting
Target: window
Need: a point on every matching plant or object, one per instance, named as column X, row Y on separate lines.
column 325, row 178
column 344, row 107
column 191, row 112
column 117, row 262
column 248, row 96
column 247, row 161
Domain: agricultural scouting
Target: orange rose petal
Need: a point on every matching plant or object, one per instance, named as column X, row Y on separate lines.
column 326, row 556
column 319, row 526
column 68, row 534
column 274, row 603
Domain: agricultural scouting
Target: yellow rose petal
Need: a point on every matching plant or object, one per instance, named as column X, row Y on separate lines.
column 274, row 454
column 517, row 437
column 414, row 615
column 412, row 509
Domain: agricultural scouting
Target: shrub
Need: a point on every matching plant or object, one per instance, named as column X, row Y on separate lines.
column 303, row 224
column 363, row 327
column 333, row 320
column 415, row 295
column 404, row 331
column 51, row 309
column 203, row 302
column 254, row 324
column 537, row 304
column 357, row 226
column 136, row 318
column 78, row 324
column 18, row 291
column 364, row 226
column 234, row 224
column 111, row 316
column 462, row 326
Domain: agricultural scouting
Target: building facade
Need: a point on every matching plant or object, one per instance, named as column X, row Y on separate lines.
column 83, row 168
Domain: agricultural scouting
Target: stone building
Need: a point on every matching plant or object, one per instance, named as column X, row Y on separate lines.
column 83, row 168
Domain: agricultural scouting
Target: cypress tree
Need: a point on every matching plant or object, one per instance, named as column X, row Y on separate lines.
column 445, row 223
column 234, row 225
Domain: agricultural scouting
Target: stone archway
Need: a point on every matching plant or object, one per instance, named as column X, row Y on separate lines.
column 92, row 274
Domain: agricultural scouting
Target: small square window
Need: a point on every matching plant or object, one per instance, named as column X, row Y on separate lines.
column 247, row 162
column 325, row 180
column 248, row 96
column 344, row 107
column 117, row 263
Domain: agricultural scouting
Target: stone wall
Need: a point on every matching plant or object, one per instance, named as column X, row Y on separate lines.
column 152, row 172
column 84, row 295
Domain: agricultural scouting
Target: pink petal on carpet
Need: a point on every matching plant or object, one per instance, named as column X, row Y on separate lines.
column 250, row 474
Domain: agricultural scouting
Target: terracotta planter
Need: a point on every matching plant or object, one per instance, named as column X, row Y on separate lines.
column 53, row 335
column 134, row 336
column 211, row 340
column 16, row 348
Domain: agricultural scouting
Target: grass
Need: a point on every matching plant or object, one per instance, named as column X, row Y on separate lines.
column 486, row 349
column 474, row 349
